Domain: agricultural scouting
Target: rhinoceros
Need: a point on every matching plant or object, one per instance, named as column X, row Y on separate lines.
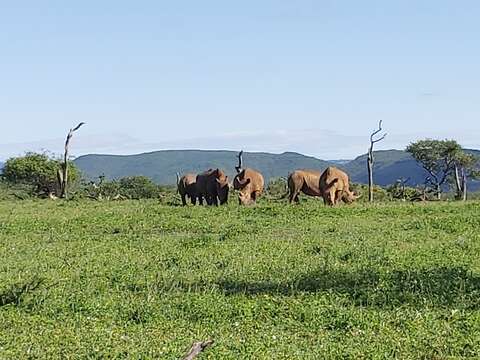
column 212, row 185
column 334, row 186
column 306, row 181
column 187, row 187
column 249, row 184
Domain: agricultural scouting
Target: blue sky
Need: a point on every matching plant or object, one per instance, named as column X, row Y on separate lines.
column 307, row 76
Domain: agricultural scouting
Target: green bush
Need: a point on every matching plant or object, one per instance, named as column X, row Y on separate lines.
column 132, row 187
column 277, row 187
column 398, row 191
column 38, row 172
column 138, row 187
column 379, row 193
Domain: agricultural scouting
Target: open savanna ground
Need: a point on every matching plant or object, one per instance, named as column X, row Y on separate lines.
column 136, row 279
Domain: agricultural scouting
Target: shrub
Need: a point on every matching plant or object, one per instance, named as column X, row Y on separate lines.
column 138, row 187
column 398, row 191
column 277, row 187
column 38, row 171
column 379, row 193
column 132, row 187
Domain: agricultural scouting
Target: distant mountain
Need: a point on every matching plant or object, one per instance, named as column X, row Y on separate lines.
column 390, row 165
column 161, row 166
column 339, row 162
column 1, row 165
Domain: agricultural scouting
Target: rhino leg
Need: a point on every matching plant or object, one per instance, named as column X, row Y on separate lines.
column 293, row 196
column 338, row 197
column 255, row 195
column 184, row 199
column 209, row 200
column 193, row 199
column 330, row 198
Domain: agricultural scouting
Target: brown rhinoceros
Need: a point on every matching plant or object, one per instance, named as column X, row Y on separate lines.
column 306, row 181
column 249, row 184
column 187, row 187
column 212, row 185
column 335, row 186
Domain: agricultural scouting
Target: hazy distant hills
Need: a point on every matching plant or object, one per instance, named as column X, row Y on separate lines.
column 162, row 166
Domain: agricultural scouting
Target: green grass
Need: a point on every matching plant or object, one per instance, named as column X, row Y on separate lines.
column 137, row 279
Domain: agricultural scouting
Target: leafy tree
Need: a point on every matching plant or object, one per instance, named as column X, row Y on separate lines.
column 438, row 158
column 38, row 171
column 466, row 167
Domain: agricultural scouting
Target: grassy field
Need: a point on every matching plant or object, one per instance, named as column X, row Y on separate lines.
column 136, row 279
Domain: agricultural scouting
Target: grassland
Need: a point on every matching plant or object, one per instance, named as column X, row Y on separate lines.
column 136, row 279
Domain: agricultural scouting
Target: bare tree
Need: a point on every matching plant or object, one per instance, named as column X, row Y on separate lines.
column 239, row 168
column 371, row 159
column 62, row 174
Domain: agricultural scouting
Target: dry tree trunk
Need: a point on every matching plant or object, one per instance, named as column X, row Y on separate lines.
column 62, row 174
column 371, row 159
column 197, row 348
column 239, row 168
column 458, row 184
column 465, row 182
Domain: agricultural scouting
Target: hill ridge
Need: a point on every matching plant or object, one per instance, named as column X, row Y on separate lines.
column 162, row 165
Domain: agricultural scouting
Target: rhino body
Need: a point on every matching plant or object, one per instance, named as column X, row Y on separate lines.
column 212, row 185
column 334, row 186
column 306, row 181
column 250, row 184
column 187, row 187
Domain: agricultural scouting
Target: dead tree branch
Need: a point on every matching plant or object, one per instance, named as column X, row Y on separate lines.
column 62, row 175
column 197, row 348
column 239, row 168
column 370, row 160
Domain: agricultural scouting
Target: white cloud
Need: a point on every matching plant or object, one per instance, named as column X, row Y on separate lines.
column 324, row 144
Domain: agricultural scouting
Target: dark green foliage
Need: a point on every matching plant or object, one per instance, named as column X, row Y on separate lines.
column 39, row 171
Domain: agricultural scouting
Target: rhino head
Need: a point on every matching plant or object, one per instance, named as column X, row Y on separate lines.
column 223, row 187
column 244, row 191
column 349, row 197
